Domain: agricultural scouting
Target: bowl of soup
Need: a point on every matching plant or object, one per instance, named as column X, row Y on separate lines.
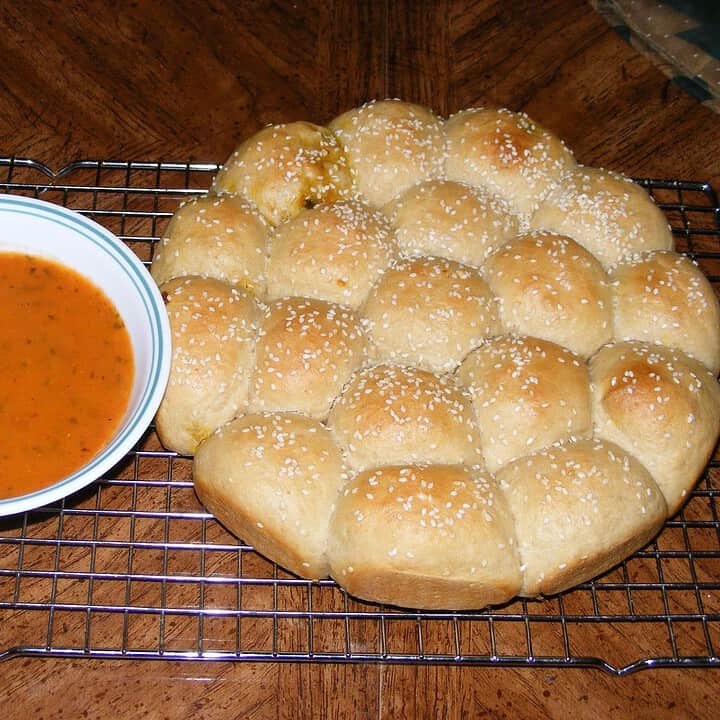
column 85, row 343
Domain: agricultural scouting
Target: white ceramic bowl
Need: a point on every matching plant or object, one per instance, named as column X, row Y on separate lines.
column 50, row 231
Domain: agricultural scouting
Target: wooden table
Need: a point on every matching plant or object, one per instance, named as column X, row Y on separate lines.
column 180, row 80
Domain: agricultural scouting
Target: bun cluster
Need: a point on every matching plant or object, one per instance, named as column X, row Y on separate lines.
column 436, row 360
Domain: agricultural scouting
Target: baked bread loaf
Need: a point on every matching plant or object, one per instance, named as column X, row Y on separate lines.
column 214, row 329
column 457, row 368
column 606, row 213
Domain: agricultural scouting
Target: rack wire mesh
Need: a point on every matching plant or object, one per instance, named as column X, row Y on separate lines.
column 134, row 567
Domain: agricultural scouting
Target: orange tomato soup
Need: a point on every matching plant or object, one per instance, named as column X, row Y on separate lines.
column 67, row 372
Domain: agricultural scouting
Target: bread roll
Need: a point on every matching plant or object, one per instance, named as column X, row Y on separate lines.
column 664, row 297
column 214, row 327
column 391, row 145
column 451, row 220
column 606, row 213
column 579, row 508
column 660, row 405
column 306, row 351
column 429, row 312
column 431, row 536
column 284, row 168
column 331, row 252
column 388, row 415
column 527, row 394
column 214, row 236
column 550, row 287
column 273, row 480
column 505, row 153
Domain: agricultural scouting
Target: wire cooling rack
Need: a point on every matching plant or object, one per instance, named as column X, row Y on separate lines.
column 134, row 567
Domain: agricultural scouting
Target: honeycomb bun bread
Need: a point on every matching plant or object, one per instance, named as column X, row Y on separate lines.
column 388, row 550
column 468, row 369
column 606, row 212
column 214, row 328
column 578, row 508
column 507, row 154
column 284, row 168
column 273, row 480
column 660, row 405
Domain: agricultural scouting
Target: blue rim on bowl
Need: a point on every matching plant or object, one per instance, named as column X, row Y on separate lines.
column 54, row 232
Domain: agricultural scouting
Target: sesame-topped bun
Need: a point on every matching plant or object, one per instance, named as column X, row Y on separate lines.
column 390, row 522
column 429, row 312
column 389, row 415
column 505, row 153
column 390, row 145
column 660, row 405
column 606, row 213
column 214, row 328
column 552, row 288
column 306, row 351
column 284, row 168
column 331, row 252
column 451, row 220
column 527, row 394
column 214, row 236
column 664, row 297
column 273, row 480
column 579, row 508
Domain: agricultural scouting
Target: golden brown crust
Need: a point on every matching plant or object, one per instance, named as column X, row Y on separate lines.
column 527, row 394
column 214, row 328
column 607, row 213
column 660, row 405
column 389, row 523
column 552, row 288
column 331, row 252
column 390, row 146
column 579, row 508
column 285, row 168
column 214, row 236
column 663, row 297
column 507, row 154
column 306, row 351
column 263, row 476
column 429, row 312
column 390, row 414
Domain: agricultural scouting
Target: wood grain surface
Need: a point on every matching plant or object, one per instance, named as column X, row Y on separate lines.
column 184, row 80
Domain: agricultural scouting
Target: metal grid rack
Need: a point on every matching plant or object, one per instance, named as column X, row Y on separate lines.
column 133, row 567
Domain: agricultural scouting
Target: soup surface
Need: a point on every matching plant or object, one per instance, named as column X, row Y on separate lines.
column 67, row 372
